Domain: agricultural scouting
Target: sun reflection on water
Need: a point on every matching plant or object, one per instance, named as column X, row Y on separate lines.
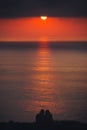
column 43, row 89
column 43, row 78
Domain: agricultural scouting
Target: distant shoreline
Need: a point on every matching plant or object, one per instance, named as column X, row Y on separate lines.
column 43, row 42
column 69, row 45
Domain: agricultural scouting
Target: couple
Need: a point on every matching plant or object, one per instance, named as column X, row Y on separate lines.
column 44, row 117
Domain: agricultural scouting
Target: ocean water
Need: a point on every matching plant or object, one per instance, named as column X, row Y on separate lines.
column 43, row 78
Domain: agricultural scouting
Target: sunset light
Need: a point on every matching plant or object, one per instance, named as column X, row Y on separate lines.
column 43, row 17
column 43, row 64
column 43, row 29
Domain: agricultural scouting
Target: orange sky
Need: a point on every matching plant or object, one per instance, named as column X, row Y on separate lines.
column 34, row 29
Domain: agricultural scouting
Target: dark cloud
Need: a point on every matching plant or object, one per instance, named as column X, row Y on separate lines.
column 23, row 8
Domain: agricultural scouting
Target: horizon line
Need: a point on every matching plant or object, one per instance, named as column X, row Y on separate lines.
column 45, row 41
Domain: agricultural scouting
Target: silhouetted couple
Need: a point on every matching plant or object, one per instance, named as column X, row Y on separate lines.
column 44, row 117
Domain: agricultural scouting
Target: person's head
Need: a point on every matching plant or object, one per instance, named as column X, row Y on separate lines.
column 42, row 111
column 47, row 112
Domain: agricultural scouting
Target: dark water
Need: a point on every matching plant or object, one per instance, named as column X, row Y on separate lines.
column 32, row 79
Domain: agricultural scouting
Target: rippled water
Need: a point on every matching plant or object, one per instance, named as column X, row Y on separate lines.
column 33, row 79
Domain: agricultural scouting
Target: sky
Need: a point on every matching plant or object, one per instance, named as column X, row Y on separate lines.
column 20, row 20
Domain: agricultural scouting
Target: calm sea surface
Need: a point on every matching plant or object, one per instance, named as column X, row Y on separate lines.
column 32, row 79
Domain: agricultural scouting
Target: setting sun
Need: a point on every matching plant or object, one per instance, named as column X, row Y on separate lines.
column 43, row 17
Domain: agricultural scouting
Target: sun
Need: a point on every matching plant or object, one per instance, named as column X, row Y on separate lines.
column 43, row 17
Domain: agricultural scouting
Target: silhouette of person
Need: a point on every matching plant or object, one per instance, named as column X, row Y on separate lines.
column 40, row 117
column 48, row 117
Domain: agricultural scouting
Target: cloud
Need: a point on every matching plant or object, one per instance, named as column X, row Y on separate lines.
column 25, row 8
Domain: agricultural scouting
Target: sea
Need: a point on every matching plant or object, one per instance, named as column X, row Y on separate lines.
column 43, row 75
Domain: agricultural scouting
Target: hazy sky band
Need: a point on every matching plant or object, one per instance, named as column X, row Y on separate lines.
column 20, row 20
column 35, row 29
column 59, row 8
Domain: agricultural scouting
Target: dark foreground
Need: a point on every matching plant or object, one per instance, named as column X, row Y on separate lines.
column 55, row 125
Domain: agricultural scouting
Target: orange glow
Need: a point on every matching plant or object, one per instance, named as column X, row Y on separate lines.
column 43, row 88
column 35, row 29
column 43, row 17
